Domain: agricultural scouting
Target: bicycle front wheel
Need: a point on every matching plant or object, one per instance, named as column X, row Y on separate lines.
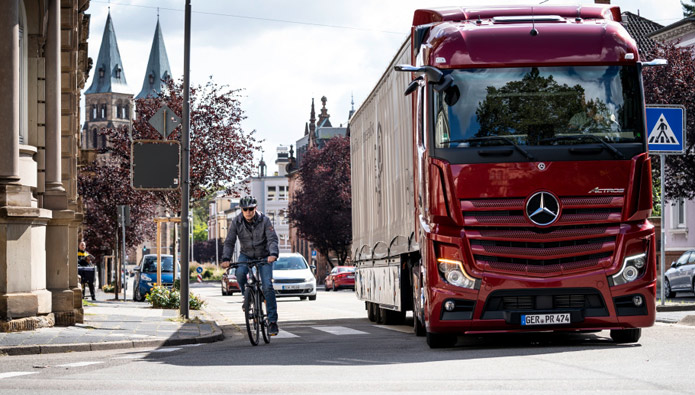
column 252, row 322
column 263, row 316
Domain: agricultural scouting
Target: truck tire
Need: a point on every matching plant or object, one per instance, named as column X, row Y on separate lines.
column 440, row 340
column 418, row 318
column 626, row 335
column 370, row 311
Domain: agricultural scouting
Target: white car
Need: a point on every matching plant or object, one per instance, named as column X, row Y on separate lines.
column 292, row 276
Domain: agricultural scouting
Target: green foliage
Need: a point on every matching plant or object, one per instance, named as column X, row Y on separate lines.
column 211, row 272
column 109, row 287
column 165, row 298
column 200, row 231
column 688, row 9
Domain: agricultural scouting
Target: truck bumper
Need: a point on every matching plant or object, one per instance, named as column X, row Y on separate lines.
column 502, row 303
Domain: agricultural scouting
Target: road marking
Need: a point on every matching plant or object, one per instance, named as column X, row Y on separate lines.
column 395, row 328
column 339, row 330
column 284, row 335
column 130, row 357
column 167, row 349
column 8, row 375
column 192, row 345
column 78, row 364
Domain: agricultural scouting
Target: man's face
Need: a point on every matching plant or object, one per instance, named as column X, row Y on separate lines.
column 249, row 212
column 82, row 245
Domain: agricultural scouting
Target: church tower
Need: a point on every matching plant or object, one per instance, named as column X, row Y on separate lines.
column 108, row 101
column 158, row 69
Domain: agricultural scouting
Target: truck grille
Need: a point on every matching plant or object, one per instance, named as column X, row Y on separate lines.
column 503, row 240
column 587, row 300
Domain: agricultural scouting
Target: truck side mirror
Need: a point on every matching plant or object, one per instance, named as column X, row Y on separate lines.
column 414, row 84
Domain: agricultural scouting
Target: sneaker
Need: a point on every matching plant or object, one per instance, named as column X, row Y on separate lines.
column 273, row 329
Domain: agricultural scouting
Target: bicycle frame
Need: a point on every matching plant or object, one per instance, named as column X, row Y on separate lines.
column 254, row 303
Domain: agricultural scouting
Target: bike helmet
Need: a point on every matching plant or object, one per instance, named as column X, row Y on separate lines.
column 248, row 201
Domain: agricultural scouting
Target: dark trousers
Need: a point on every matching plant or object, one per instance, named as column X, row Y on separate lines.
column 91, row 289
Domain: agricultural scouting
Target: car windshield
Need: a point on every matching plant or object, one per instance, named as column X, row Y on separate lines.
column 150, row 264
column 535, row 106
column 290, row 263
column 346, row 269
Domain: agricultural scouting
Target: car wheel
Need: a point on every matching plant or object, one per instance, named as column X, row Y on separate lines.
column 439, row 340
column 335, row 289
column 302, row 298
column 667, row 289
column 325, row 288
column 224, row 292
column 312, row 297
column 137, row 295
column 626, row 335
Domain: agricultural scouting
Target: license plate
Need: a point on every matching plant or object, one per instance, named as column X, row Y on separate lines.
column 350, row 276
column 545, row 319
column 290, row 287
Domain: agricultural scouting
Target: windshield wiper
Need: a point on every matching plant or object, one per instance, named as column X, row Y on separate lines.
column 603, row 142
column 496, row 138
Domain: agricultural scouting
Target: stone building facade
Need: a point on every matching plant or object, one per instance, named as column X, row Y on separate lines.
column 43, row 67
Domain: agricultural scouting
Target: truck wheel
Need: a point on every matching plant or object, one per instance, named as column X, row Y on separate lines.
column 626, row 335
column 667, row 289
column 370, row 312
column 418, row 319
column 391, row 317
column 439, row 340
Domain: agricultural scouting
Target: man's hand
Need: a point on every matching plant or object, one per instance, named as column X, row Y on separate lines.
column 272, row 259
column 225, row 264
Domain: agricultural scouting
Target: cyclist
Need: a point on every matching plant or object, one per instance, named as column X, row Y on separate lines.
column 257, row 240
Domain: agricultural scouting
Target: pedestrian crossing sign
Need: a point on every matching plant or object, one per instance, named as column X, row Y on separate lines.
column 666, row 129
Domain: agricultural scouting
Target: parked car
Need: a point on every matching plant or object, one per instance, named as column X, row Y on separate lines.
column 340, row 277
column 292, row 276
column 146, row 274
column 680, row 277
column 229, row 283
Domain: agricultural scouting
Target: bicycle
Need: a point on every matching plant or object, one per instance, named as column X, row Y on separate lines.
column 254, row 303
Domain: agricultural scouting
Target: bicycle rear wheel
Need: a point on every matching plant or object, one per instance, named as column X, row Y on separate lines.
column 252, row 322
column 263, row 314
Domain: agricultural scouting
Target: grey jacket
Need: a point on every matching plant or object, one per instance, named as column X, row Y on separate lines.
column 256, row 240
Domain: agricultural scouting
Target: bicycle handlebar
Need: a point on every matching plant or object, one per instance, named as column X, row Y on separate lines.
column 251, row 262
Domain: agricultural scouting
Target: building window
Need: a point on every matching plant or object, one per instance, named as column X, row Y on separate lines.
column 271, row 193
column 103, row 111
column 282, row 217
column 94, row 112
column 271, row 216
column 94, row 138
column 282, row 192
column 125, row 112
column 678, row 214
column 23, row 78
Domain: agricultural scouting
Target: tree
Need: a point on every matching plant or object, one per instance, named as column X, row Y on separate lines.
column 688, row 9
column 675, row 84
column 322, row 209
column 221, row 155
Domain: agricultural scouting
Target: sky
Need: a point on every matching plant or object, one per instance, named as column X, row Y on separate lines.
column 284, row 53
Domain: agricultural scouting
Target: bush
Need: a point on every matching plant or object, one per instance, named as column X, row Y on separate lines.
column 109, row 288
column 164, row 298
column 211, row 272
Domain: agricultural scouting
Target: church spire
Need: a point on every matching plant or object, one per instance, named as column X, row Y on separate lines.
column 352, row 110
column 158, row 68
column 108, row 71
column 312, row 121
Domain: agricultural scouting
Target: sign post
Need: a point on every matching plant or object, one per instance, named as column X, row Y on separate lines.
column 666, row 136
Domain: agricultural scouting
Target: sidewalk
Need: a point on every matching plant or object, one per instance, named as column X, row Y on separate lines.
column 110, row 324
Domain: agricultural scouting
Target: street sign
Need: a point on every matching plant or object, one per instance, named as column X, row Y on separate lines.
column 123, row 215
column 199, row 269
column 155, row 165
column 313, row 253
column 666, row 129
column 165, row 121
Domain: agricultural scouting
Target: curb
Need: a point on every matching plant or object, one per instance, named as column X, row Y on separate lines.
column 675, row 307
column 217, row 335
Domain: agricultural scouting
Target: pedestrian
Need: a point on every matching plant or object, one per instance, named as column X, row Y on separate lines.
column 86, row 269
column 257, row 240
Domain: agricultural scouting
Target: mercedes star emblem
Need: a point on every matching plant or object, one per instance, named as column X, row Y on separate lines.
column 542, row 208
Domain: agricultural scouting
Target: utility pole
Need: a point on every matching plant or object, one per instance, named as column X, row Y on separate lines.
column 185, row 160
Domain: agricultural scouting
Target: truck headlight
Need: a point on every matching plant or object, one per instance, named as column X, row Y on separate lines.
column 633, row 267
column 145, row 277
column 453, row 273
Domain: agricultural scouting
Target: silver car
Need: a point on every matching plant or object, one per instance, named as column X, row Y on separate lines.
column 681, row 276
column 292, row 276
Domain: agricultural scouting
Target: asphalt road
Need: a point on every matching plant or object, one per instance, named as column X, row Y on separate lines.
column 328, row 345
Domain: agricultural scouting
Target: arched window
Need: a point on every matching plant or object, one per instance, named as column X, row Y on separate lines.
column 126, row 114
column 118, row 109
column 103, row 111
column 23, row 78
column 94, row 112
column 102, row 141
column 94, row 138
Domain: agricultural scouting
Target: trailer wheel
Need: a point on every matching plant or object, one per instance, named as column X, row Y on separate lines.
column 626, row 335
column 370, row 312
column 439, row 340
column 391, row 317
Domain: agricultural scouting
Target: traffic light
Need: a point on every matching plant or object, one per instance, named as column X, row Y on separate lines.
column 144, row 250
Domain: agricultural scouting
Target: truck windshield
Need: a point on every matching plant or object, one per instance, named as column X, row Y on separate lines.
column 540, row 106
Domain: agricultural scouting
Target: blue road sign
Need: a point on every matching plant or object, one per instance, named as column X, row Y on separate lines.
column 666, row 129
column 199, row 269
column 313, row 253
